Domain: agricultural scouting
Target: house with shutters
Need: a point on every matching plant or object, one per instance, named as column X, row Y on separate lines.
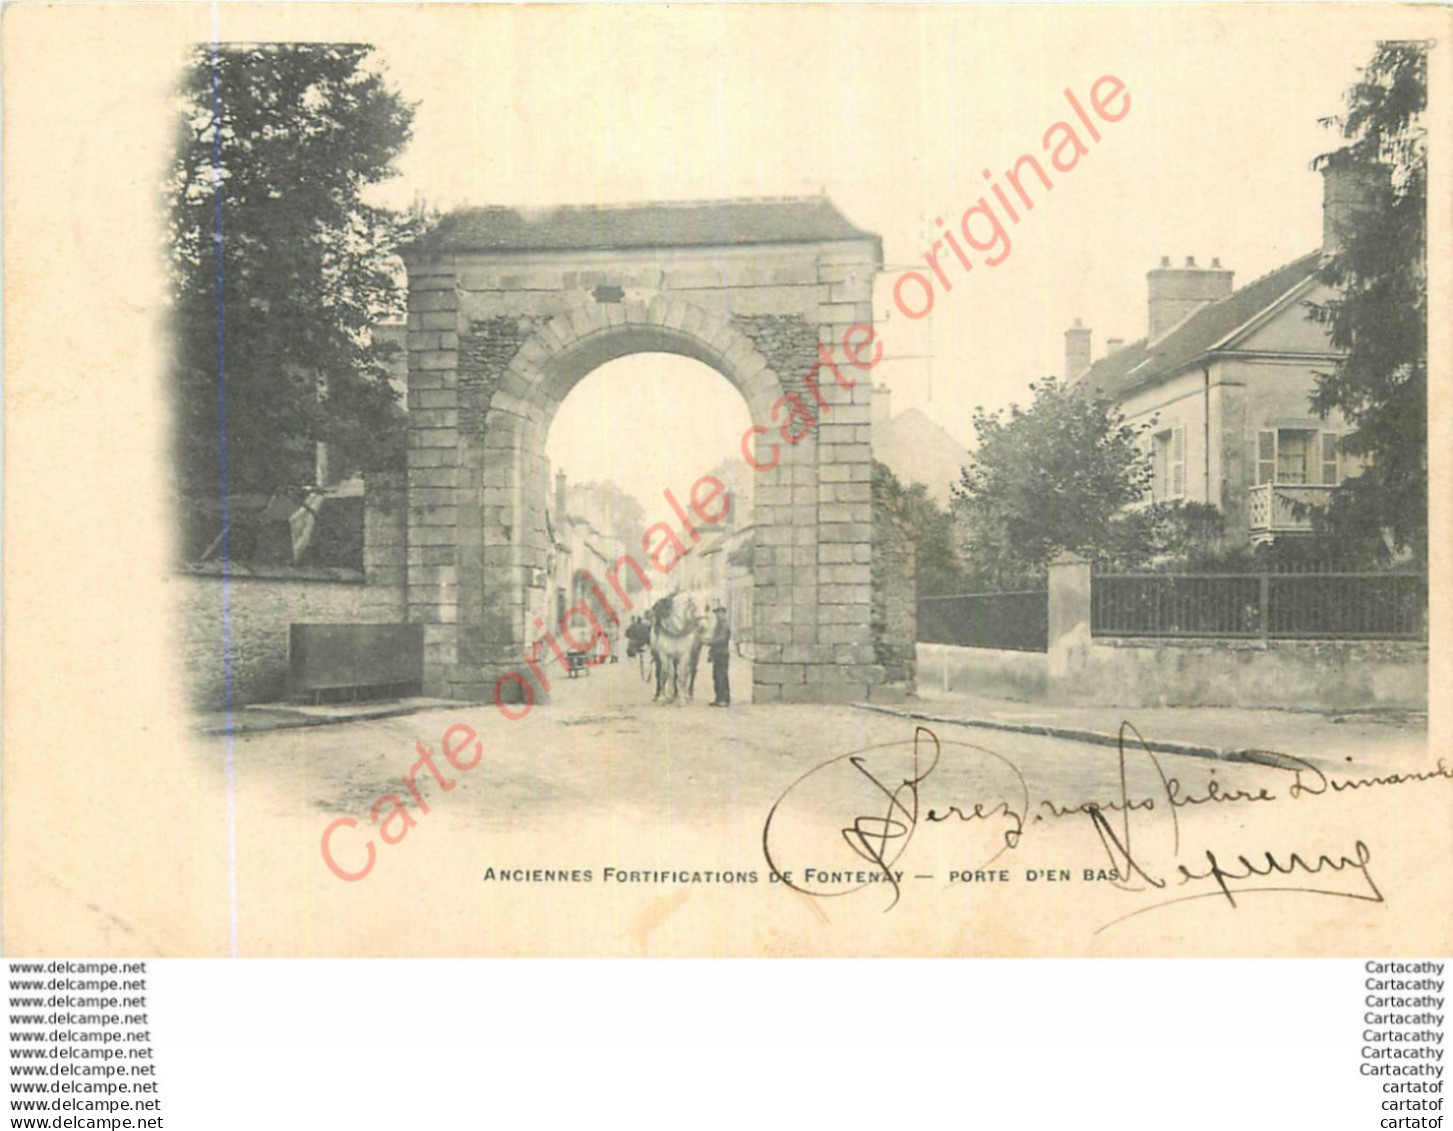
column 1224, row 378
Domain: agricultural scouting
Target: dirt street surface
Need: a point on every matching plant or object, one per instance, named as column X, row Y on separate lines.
column 605, row 823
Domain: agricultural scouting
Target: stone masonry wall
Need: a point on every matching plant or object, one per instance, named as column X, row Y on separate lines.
column 262, row 603
column 895, row 608
column 436, row 475
column 844, row 665
column 788, row 342
column 385, row 529
column 496, row 340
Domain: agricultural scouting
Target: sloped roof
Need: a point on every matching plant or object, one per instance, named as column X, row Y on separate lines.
column 914, row 425
column 707, row 223
column 1144, row 362
column 918, row 449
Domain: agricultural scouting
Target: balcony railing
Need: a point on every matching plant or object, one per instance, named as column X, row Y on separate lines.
column 1285, row 508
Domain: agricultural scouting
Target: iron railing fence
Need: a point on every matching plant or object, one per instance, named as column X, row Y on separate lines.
column 1312, row 605
column 1016, row 621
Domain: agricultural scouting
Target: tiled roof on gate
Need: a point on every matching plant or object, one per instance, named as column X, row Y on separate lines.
column 708, row 223
column 1144, row 362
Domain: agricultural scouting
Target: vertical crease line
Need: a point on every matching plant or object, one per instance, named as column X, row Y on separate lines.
column 229, row 738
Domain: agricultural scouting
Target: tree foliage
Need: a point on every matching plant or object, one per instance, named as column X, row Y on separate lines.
column 1380, row 314
column 1176, row 535
column 928, row 527
column 625, row 516
column 279, row 267
column 1053, row 477
column 624, row 511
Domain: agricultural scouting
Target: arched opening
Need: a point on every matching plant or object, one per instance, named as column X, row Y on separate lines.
column 480, row 542
column 643, row 440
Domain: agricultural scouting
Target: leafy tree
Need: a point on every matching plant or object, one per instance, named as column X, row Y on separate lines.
column 279, row 268
column 1052, row 477
column 1380, row 314
column 623, row 510
column 1176, row 535
column 931, row 530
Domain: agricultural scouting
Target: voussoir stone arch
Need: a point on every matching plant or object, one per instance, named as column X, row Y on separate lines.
column 507, row 312
column 577, row 342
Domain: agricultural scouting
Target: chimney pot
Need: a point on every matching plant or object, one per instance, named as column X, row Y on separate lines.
column 1178, row 292
column 1165, row 261
column 1077, row 350
column 1216, row 264
column 1347, row 190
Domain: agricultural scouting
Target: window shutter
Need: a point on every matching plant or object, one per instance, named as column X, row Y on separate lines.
column 1265, row 457
column 1178, row 464
column 1331, row 469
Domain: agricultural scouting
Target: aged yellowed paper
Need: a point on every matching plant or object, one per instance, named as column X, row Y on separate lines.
column 743, row 480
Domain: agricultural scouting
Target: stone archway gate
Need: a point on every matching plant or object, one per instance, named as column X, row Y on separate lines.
column 509, row 309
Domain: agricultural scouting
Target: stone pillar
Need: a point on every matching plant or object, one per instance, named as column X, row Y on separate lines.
column 1069, row 628
column 812, row 604
column 434, row 476
column 845, row 661
column 502, row 549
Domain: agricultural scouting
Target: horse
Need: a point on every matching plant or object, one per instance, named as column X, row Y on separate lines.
column 695, row 665
column 676, row 640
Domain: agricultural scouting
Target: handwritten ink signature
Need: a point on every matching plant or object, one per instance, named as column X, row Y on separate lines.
column 870, row 834
column 883, row 789
column 1258, row 865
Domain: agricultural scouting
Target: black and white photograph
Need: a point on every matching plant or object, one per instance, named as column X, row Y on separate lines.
column 709, row 564
column 727, row 481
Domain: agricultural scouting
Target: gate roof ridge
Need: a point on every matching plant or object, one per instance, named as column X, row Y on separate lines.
column 606, row 226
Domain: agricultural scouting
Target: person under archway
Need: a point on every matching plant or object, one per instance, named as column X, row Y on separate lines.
column 719, row 652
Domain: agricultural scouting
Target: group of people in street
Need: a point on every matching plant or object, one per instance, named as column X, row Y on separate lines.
column 718, row 644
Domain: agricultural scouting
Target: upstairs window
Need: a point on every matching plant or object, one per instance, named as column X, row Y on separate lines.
column 1295, row 456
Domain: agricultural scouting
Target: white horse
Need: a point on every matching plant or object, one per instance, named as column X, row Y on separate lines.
column 676, row 636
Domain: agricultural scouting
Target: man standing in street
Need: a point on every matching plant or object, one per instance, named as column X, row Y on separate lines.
column 719, row 652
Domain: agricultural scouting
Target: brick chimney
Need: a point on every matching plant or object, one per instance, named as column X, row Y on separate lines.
column 1178, row 292
column 559, row 500
column 1114, row 345
column 1077, row 350
column 882, row 405
column 1346, row 190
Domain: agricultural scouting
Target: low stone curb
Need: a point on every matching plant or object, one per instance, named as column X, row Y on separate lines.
column 1098, row 738
column 241, row 725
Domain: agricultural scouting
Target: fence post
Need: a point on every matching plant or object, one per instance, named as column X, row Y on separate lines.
column 1069, row 627
column 1264, row 611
